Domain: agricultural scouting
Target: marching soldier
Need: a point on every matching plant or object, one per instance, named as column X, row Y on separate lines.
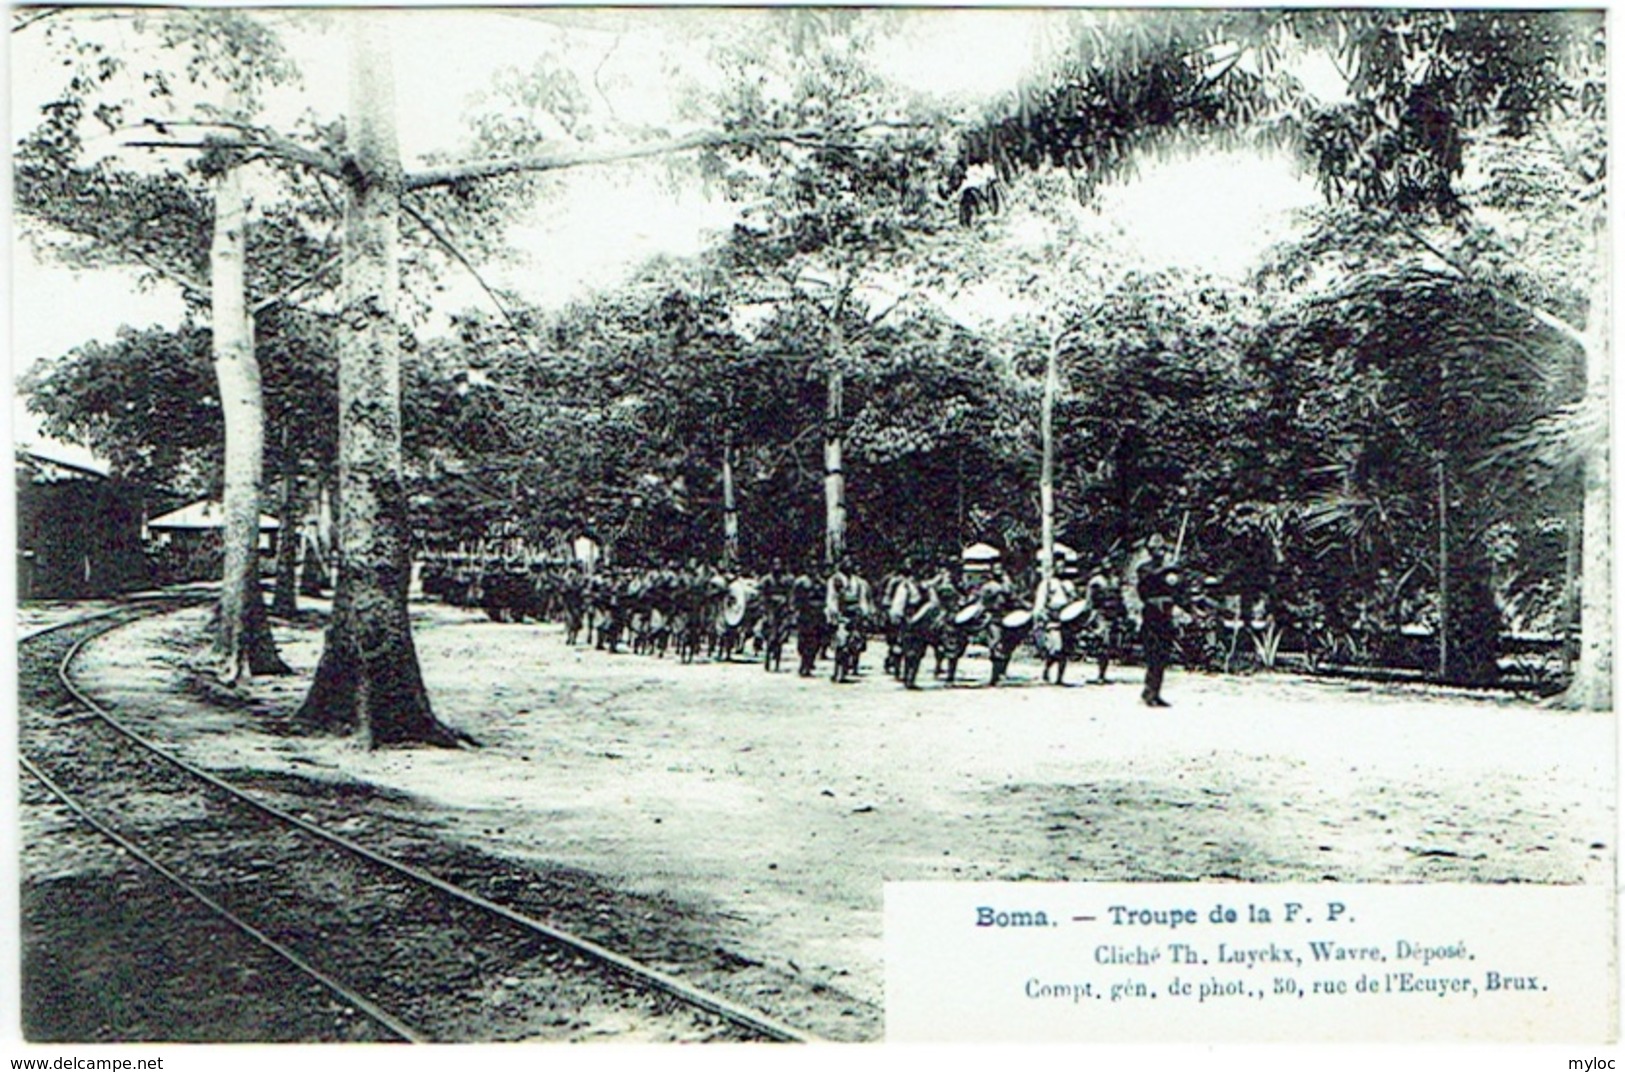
column 617, row 607
column 953, row 634
column 1108, row 616
column 686, row 603
column 998, row 599
column 775, row 592
column 848, row 607
column 716, row 599
column 573, row 597
column 807, row 600
column 917, row 615
column 1051, row 597
column 893, row 635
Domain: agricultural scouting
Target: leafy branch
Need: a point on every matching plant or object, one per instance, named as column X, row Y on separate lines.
column 1461, row 271
column 457, row 254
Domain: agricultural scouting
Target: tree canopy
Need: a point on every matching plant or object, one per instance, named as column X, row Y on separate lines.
column 1391, row 422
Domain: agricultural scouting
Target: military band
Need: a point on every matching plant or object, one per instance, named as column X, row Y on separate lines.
column 691, row 611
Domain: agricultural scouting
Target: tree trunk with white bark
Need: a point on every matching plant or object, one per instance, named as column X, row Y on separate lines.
column 242, row 642
column 369, row 682
column 1593, row 686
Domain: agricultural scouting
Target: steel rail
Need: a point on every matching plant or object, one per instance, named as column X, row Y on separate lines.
column 684, row 992
column 378, row 1014
column 177, row 601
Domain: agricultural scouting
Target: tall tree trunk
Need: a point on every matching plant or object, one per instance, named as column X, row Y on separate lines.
column 368, row 681
column 1046, row 472
column 730, row 502
column 1444, row 571
column 730, row 507
column 285, row 597
column 834, row 477
column 243, row 642
column 1593, row 686
column 1571, row 586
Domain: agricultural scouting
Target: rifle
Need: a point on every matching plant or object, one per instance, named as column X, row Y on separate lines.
column 1179, row 543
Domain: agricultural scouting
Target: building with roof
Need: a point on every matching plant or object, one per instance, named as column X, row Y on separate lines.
column 187, row 541
column 78, row 531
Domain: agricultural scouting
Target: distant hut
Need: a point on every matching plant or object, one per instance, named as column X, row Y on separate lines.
column 188, row 541
column 78, row 531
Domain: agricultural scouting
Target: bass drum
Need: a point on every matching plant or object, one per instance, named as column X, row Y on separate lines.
column 1017, row 619
column 1073, row 611
column 737, row 603
column 968, row 615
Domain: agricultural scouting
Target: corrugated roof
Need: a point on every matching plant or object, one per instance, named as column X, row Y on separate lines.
column 203, row 514
column 52, row 468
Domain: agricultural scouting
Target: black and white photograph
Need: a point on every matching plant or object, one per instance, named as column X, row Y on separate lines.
column 568, row 524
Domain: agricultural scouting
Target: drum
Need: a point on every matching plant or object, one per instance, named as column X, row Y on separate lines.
column 737, row 603
column 1073, row 611
column 1017, row 619
column 968, row 614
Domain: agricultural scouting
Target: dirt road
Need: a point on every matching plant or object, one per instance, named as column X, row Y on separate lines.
column 780, row 805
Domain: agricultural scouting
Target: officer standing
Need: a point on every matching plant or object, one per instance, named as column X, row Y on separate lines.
column 1157, row 593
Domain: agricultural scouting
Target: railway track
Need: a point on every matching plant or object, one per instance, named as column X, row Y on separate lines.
column 422, row 958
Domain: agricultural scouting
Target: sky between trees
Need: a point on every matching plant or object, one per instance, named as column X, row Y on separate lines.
column 1209, row 210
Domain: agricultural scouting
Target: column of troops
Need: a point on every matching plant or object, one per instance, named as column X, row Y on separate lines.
column 693, row 610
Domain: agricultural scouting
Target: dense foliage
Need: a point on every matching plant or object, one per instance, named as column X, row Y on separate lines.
column 1384, row 429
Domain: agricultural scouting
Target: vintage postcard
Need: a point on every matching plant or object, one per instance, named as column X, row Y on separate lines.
column 811, row 524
